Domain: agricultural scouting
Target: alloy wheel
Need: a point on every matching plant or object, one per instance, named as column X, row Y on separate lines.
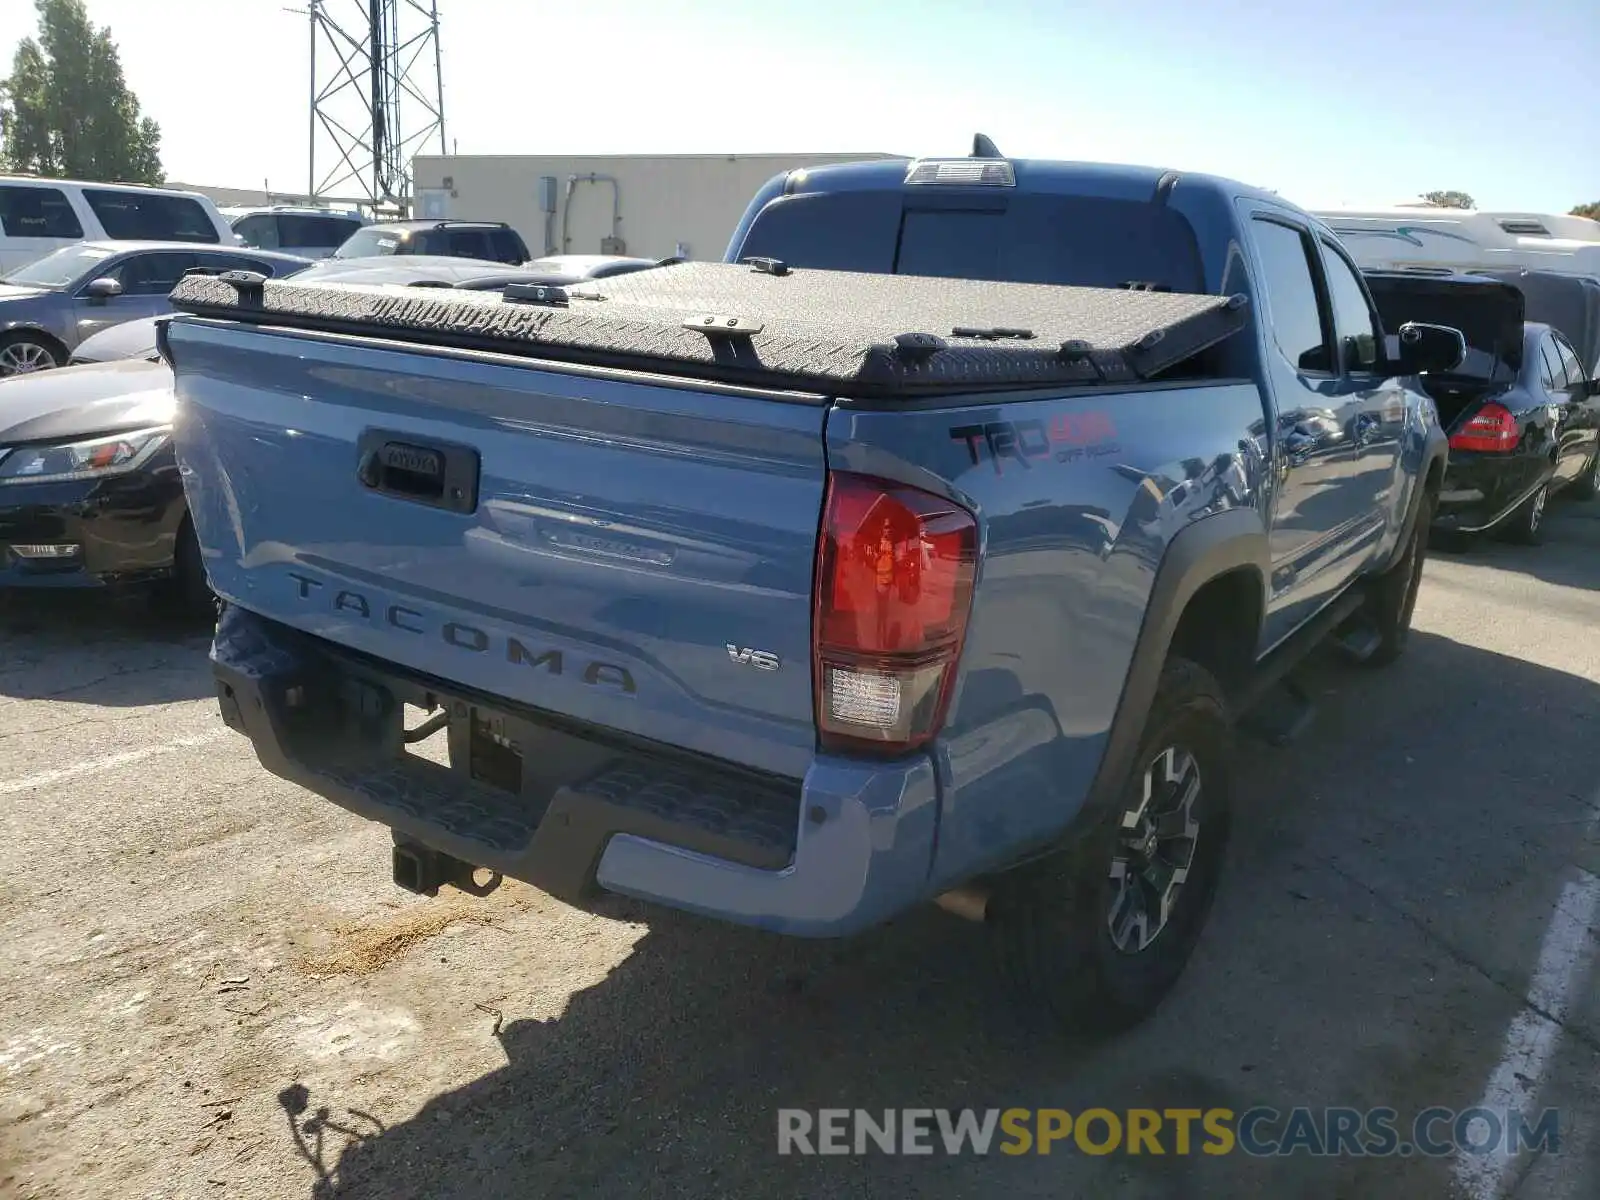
column 1536, row 509
column 1155, row 850
column 24, row 358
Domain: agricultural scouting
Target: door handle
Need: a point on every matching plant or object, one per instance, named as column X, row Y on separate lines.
column 439, row 475
column 1298, row 448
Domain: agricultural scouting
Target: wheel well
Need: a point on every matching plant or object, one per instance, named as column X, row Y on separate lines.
column 1221, row 624
column 35, row 334
column 1435, row 479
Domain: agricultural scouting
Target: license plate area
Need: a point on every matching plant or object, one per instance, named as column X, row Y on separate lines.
column 494, row 749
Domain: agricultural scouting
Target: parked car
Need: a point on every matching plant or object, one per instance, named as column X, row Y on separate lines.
column 998, row 671
column 439, row 270
column 494, row 241
column 38, row 216
column 125, row 524
column 306, row 232
column 1521, row 411
column 89, row 489
column 131, row 339
column 137, row 339
column 49, row 306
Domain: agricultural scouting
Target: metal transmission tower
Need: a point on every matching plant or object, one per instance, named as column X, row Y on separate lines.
column 377, row 96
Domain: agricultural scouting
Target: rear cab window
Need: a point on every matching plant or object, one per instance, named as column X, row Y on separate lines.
column 1025, row 238
column 131, row 216
column 37, row 212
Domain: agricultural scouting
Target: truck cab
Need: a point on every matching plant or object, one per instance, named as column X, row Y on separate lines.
column 1337, row 436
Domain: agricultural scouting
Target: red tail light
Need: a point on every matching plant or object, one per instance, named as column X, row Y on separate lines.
column 894, row 580
column 1493, row 428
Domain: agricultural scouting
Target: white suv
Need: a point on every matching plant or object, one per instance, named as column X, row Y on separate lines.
column 307, row 232
column 38, row 216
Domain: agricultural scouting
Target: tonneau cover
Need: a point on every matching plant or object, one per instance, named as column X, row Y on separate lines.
column 838, row 332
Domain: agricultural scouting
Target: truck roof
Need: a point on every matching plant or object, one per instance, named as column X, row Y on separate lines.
column 1034, row 175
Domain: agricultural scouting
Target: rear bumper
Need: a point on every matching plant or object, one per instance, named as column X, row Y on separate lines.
column 125, row 528
column 846, row 848
column 1481, row 490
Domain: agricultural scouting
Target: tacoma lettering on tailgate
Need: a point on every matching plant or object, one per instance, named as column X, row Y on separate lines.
column 466, row 638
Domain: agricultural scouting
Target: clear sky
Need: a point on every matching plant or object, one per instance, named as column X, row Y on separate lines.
column 1367, row 103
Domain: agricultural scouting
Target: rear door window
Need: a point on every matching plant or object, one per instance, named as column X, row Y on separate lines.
column 150, row 216
column 460, row 243
column 1551, row 375
column 506, row 246
column 1571, row 367
column 314, row 232
column 1354, row 322
column 155, row 273
column 37, row 212
column 260, row 231
column 1291, row 292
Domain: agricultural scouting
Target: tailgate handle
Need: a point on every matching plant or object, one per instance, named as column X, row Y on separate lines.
column 439, row 475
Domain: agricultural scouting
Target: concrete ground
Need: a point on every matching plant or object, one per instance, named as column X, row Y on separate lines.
column 209, row 987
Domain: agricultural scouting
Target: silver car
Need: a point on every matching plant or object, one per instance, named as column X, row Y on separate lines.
column 51, row 305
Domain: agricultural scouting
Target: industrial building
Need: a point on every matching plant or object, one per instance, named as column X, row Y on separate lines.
column 651, row 206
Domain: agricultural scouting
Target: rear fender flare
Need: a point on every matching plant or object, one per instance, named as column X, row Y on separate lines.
column 1203, row 551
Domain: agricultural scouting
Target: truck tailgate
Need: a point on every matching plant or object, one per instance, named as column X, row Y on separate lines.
column 621, row 550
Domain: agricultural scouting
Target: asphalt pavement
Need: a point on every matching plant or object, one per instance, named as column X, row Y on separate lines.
column 211, row 988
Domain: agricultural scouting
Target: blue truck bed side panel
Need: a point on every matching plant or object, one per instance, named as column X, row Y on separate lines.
column 1077, row 498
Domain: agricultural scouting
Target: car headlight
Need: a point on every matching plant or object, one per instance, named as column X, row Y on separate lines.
column 93, row 458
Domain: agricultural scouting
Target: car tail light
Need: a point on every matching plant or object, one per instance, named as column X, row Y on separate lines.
column 895, row 568
column 1493, row 428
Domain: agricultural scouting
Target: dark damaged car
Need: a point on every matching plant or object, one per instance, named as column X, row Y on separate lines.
column 90, row 495
column 1521, row 411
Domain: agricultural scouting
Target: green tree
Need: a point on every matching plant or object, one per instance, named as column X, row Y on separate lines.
column 1590, row 210
column 1449, row 199
column 66, row 110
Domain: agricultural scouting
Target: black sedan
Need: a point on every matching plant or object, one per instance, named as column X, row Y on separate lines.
column 1521, row 412
column 90, row 494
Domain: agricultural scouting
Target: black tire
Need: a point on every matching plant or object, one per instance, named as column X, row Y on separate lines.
column 1525, row 527
column 1052, row 919
column 1587, row 485
column 24, row 352
column 1394, row 593
column 188, row 593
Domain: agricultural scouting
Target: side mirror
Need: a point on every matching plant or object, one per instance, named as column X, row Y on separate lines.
column 1361, row 352
column 1425, row 348
column 102, row 289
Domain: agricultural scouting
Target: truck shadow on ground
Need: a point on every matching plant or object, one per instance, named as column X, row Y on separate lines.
column 666, row 1077
column 95, row 649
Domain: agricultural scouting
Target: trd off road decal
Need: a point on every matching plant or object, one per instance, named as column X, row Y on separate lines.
column 1067, row 437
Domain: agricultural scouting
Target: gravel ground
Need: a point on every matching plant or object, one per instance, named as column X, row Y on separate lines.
column 211, row 989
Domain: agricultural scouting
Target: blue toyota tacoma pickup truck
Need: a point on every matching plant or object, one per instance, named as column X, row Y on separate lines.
column 927, row 549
